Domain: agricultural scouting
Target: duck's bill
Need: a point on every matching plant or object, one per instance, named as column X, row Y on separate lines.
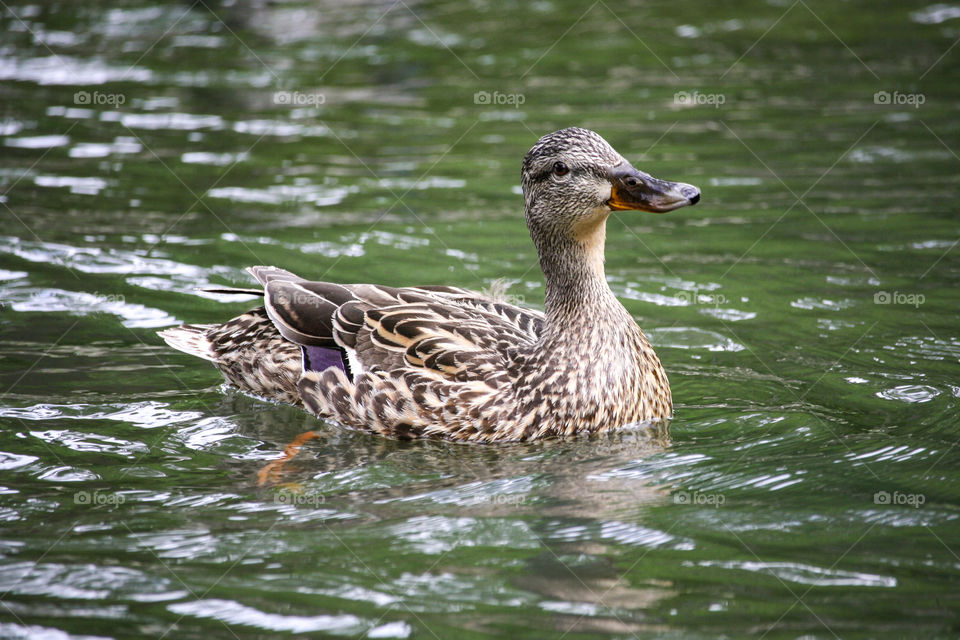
column 635, row 190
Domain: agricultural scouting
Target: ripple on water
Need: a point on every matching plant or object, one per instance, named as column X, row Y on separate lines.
column 730, row 315
column 692, row 338
column 169, row 120
column 502, row 492
column 147, row 415
column 98, row 260
column 220, row 435
column 78, row 581
column 66, row 70
column 620, row 532
column 69, row 112
column 320, row 195
column 91, row 442
column 891, row 453
column 822, row 303
column 35, row 632
column 807, row 574
column 15, row 460
column 771, row 482
column 178, row 277
column 571, row 608
column 231, row 612
column 280, row 128
column 440, row 534
column 876, row 154
column 12, row 275
column 448, row 592
column 38, row 142
column 398, row 629
column 120, row 145
column 207, row 433
column 180, row 544
column 936, row 13
column 10, row 127
column 213, row 159
column 735, row 182
column 929, row 347
column 645, row 468
column 912, row 393
column 626, row 533
column 80, row 186
column 67, row 474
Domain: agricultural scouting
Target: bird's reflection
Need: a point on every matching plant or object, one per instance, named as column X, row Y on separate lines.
column 578, row 504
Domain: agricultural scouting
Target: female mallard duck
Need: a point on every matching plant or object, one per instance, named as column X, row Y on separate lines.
column 449, row 362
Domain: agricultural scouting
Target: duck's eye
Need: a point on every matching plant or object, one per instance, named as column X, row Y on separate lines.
column 560, row 169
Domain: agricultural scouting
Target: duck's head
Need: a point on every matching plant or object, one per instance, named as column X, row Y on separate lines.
column 572, row 180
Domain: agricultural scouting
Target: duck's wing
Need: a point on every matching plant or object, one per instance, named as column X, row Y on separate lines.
column 451, row 332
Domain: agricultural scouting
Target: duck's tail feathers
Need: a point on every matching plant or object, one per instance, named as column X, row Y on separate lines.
column 192, row 339
column 233, row 291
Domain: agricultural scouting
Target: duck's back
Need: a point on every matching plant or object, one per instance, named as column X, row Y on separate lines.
column 400, row 361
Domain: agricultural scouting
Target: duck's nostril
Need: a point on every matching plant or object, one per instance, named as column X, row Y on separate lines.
column 691, row 193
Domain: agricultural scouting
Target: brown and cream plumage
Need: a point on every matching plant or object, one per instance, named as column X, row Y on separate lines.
column 453, row 363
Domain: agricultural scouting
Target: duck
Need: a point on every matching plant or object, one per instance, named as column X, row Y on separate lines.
column 437, row 361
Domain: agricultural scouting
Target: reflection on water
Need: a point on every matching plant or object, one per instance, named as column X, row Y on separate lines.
column 805, row 312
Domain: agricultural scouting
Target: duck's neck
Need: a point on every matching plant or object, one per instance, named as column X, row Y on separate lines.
column 577, row 293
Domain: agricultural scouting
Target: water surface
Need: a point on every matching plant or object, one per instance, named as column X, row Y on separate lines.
column 806, row 313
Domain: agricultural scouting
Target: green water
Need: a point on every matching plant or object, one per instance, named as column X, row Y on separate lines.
column 806, row 312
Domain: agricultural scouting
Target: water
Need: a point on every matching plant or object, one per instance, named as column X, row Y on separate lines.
column 805, row 312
